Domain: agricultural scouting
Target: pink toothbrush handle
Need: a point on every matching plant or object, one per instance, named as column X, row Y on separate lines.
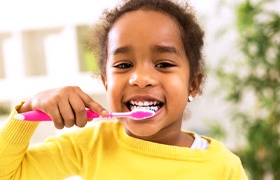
column 37, row 115
column 91, row 115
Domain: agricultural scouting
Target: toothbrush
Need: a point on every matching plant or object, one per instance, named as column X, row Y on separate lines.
column 37, row 115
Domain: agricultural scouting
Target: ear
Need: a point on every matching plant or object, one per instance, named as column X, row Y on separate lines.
column 104, row 80
column 195, row 84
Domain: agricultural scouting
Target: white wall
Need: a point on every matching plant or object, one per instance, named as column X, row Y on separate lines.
column 39, row 46
column 39, row 50
column 39, row 43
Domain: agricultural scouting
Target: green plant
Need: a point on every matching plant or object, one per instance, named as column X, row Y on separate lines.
column 90, row 62
column 252, row 85
column 4, row 110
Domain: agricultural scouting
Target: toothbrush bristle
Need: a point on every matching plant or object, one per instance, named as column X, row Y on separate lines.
column 139, row 114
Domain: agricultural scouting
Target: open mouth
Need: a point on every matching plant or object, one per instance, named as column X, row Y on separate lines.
column 147, row 105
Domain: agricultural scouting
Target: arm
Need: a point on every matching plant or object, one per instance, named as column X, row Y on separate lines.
column 66, row 106
column 14, row 140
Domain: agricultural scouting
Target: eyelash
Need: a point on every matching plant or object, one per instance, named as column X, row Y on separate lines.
column 123, row 65
column 164, row 65
column 129, row 65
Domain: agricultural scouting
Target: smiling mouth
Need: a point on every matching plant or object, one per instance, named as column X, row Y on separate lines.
column 147, row 105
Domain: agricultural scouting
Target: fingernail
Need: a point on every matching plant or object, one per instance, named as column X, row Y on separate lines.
column 104, row 113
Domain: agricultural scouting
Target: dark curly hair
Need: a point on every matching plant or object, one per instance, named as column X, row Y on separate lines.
column 191, row 33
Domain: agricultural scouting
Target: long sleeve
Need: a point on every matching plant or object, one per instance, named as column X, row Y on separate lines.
column 105, row 151
column 56, row 158
column 14, row 140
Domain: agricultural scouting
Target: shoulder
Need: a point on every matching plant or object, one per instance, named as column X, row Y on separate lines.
column 225, row 159
column 214, row 150
column 221, row 152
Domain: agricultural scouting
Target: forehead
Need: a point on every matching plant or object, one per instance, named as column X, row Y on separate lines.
column 154, row 15
column 149, row 25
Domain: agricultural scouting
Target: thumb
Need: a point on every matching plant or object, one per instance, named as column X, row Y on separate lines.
column 25, row 107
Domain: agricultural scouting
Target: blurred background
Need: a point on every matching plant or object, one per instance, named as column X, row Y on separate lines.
column 43, row 44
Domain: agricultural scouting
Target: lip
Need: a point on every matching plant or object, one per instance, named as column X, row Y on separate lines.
column 141, row 98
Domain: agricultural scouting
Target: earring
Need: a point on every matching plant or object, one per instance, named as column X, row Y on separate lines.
column 187, row 113
column 190, row 98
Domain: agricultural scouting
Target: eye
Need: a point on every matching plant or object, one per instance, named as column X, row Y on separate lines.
column 164, row 65
column 123, row 65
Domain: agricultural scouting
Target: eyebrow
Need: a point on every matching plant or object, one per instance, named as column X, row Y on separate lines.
column 166, row 49
column 121, row 50
column 157, row 48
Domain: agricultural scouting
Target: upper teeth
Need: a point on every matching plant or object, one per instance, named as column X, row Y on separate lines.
column 145, row 103
column 149, row 105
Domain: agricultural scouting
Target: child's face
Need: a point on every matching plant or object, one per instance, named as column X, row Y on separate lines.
column 147, row 64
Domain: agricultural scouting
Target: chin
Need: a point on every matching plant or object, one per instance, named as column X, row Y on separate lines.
column 141, row 132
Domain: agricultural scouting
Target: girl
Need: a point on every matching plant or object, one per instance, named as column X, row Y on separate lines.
column 149, row 55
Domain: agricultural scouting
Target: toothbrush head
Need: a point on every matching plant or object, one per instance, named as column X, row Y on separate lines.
column 140, row 114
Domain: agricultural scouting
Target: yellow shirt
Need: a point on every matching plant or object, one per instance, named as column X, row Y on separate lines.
column 104, row 151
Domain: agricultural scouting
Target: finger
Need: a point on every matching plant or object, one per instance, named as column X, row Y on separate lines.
column 25, row 107
column 94, row 106
column 56, row 117
column 67, row 113
column 79, row 111
column 50, row 107
column 62, row 98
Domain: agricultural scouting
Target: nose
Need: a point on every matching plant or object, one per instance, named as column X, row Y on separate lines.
column 142, row 78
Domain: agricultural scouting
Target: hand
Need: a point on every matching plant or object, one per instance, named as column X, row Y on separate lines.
column 66, row 106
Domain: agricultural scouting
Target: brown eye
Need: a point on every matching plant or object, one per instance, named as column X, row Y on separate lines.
column 164, row 65
column 123, row 65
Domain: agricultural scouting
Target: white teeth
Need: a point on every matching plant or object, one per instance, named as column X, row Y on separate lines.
column 153, row 103
column 153, row 108
column 146, row 105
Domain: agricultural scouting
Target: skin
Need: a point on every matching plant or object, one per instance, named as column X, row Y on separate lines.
column 146, row 62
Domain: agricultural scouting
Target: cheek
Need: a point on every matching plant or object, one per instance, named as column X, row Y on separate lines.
column 111, row 81
column 114, row 90
column 109, row 89
column 112, row 100
column 179, row 91
column 180, row 84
